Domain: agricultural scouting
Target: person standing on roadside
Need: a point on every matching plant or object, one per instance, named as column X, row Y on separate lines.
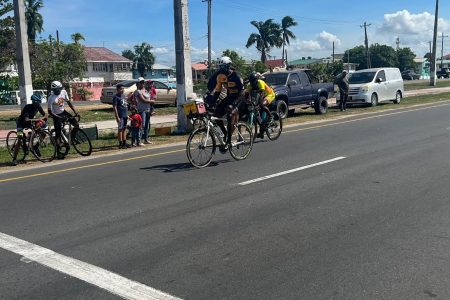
column 144, row 103
column 149, row 86
column 120, row 107
column 342, row 83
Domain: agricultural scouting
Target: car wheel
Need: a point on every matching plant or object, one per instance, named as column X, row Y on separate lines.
column 398, row 97
column 282, row 109
column 321, row 105
column 374, row 100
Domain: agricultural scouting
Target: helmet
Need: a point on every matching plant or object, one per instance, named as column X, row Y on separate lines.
column 252, row 78
column 56, row 85
column 225, row 60
column 36, row 98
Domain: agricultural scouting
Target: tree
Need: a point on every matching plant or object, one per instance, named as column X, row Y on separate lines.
column 327, row 72
column 406, row 59
column 383, row 56
column 128, row 54
column 77, row 37
column 286, row 23
column 143, row 58
column 7, row 35
column 268, row 36
column 35, row 21
column 357, row 56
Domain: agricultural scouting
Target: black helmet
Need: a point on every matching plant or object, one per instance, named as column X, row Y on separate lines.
column 252, row 78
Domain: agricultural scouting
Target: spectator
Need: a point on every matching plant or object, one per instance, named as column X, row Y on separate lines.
column 342, row 82
column 121, row 113
column 135, row 127
column 143, row 106
column 149, row 86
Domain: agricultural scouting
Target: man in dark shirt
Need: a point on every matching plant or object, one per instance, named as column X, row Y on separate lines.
column 342, row 83
column 120, row 107
column 25, row 121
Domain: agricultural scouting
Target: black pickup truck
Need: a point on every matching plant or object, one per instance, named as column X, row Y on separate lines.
column 299, row 87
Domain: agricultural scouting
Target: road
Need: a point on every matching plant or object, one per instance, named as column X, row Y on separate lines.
column 366, row 215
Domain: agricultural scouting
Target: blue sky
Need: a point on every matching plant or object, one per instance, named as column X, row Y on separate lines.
column 120, row 24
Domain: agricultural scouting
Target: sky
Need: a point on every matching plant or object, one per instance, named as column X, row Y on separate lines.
column 121, row 24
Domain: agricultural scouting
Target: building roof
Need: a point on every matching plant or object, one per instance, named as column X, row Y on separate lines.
column 305, row 62
column 273, row 63
column 199, row 67
column 161, row 67
column 447, row 56
column 101, row 54
column 339, row 55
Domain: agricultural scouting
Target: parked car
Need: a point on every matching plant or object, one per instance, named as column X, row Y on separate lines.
column 443, row 73
column 371, row 86
column 410, row 75
column 299, row 87
column 13, row 97
column 164, row 93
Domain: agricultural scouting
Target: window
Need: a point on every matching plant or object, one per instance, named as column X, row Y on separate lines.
column 294, row 78
column 159, row 85
column 381, row 75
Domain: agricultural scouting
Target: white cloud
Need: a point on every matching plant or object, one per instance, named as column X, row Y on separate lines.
column 326, row 39
column 307, row 46
column 160, row 50
column 124, row 46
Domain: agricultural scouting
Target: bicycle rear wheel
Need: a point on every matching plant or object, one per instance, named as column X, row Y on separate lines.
column 11, row 141
column 274, row 126
column 43, row 146
column 241, row 141
column 200, row 147
column 81, row 142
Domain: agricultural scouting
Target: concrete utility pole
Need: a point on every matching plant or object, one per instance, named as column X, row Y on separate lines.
column 442, row 49
column 183, row 60
column 433, row 53
column 22, row 53
column 365, row 25
column 333, row 53
column 209, row 35
column 397, row 41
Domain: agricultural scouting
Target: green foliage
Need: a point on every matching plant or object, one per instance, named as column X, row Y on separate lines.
column 383, row 56
column 35, row 21
column 63, row 62
column 84, row 93
column 77, row 37
column 142, row 57
column 7, row 36
column 244, row 69
column 406, row 59
column 269, row 35
column 8, row 83
column 286, row 23
column 327, row 72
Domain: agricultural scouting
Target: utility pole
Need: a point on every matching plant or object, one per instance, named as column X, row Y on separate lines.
column 333, row 53
column 348, row 61
column 183, row 60
column 209, row 35
column 367, row 44
column 397, row 41
column 430, row 42
column 433, row 53
column 442, row 49
column 22, row 53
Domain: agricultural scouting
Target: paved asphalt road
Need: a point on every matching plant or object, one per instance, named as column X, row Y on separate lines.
column 375, row 225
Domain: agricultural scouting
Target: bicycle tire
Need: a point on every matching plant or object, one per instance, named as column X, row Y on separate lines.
column 196, row 142
column 61, row 149
column 241, row 142
column 275, row 126
column 81, row 142
column 43, row 146
column 11, row 140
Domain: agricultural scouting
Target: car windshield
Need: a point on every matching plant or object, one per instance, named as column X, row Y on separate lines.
column 276, row 79
column 362, row 77
column 127, row 83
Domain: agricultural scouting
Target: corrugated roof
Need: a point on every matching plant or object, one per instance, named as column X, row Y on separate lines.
column 160, row 67
column 199, row 67
column 101, row 54
column 302, row 62
column 273, row 63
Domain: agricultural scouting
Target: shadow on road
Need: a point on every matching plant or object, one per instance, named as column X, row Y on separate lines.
column 181, row 167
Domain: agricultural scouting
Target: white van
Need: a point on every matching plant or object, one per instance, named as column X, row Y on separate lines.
column 15, row 96
column 371, row 86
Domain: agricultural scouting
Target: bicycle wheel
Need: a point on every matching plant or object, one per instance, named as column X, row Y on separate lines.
column 241, row 141
column 62, row 148
column 11, row 141
column 81, row 142
column 43, row 146
column 200, row 147
column 274, row 126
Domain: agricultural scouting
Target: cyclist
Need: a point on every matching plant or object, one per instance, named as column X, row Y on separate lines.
column 56, row 108
column 267, row 96
column 225, row 78
column 27, row 116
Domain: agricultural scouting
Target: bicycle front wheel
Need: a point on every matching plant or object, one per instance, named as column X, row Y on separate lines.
column 200, row 147
column 274, row 126
column 241, row 141
column 11, row 141
column 43, row 146
column 81, row 142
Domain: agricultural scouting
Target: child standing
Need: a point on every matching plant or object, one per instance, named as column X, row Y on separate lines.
column 121, row 114
column 135, row 127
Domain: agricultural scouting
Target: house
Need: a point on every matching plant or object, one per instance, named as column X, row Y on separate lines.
column 272, row 64
column 158, row 72
column 9, row 70
column 200, row 71
column 423, row 67
column 304, row 63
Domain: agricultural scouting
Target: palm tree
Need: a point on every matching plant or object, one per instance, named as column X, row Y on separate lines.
column 128, row 54
column 77, row 37
column 286, row 23
column 144, row 59
column 268, row 36
column 34, row 19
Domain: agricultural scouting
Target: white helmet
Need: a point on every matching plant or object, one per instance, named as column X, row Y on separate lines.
column 225, row 60
column 56, row 85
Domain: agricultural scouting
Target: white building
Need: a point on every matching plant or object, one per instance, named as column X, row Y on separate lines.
column 104, row 63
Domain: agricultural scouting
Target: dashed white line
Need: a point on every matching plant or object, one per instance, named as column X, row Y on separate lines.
column 109, row 281
column 290, row 171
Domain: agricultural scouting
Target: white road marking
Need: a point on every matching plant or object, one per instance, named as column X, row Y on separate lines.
column 290, row 171
column 113, row 283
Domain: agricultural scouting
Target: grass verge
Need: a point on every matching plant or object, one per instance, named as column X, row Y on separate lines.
column 420, row 85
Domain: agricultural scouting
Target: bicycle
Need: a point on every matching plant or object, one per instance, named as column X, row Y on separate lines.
column 36, row 140
column 208, row 136
column 273, row 126
column 75, row 136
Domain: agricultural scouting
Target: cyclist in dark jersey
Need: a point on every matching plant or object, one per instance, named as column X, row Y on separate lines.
column 25, row 121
